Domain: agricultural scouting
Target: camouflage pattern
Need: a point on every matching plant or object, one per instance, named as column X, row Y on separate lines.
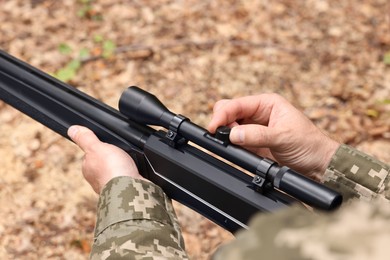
column 357, row 175
column 358, row 230
column 136, row 220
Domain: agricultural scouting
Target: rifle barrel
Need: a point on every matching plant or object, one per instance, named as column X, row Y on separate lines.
column 58, row 105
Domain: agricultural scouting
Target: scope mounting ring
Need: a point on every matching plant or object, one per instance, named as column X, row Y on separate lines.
column 173, row 137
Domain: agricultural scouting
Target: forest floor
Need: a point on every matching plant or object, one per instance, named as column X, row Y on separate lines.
column 331, row 59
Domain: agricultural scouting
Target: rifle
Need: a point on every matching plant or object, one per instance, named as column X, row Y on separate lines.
column 223, row 193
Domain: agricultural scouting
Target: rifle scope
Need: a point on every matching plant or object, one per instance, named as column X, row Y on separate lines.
column 143, row 107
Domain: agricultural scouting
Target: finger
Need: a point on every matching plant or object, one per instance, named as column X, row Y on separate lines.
column 263, row 152
column 253, row 136
column 256, row 109
column 222, row 115
column 220, row 104
column 233, row 124
column 214, row 123
column 83, row 137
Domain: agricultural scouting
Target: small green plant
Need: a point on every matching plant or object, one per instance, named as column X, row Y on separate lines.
column 69, row 71
column 386, row 58
column 87, row 11
column 378, row 108
column 372, row 113
column 108, row 47
column 98, row 38
column 65, row 49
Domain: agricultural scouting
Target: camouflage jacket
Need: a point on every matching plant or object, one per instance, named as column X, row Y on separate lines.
column 136, row 220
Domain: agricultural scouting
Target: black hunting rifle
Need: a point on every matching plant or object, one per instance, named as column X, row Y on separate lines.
column 199, row 180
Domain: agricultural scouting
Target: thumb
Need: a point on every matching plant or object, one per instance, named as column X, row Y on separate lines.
column 83, row 137
column 252, row 136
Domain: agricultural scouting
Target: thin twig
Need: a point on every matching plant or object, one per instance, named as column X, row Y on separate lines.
column 151, row 50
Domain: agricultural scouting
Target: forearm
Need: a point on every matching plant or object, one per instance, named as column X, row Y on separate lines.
column 358, row 231
column 357, row 175
column 135, row 218
column 296, row 233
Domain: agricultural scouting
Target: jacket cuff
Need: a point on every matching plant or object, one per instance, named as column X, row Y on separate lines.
column 125, row 198
column 356, row 174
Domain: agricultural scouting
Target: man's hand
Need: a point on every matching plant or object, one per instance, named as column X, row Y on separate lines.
column 270, row 126
column 102, row 161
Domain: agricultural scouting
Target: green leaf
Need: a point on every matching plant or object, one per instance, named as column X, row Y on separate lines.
column 64, row 48
column 65, row 74
column 108, row 48
column 74, row 65
column 69, row 71
column 82, row 13
column 84, row 53
column 381, row 102
column 372, row 113
column 108, row 45
column 386, row 58
column 98, row 38
column 97, row 17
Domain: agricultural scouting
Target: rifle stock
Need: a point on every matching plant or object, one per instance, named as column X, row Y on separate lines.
column 220, row 192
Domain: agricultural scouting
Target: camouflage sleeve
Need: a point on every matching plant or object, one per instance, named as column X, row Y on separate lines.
column 358, row 175
column 136, row 220
column 358, row 230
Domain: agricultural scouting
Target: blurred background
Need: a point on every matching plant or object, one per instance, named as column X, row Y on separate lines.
column 330, row 58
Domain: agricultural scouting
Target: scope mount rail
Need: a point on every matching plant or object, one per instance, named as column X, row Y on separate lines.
column 187, row 174
column 144, row 108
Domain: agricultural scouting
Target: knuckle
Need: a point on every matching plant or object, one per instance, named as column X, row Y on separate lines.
column 275, row 96
column 220, row 104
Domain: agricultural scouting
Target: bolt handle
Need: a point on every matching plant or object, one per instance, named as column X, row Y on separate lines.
column 222, row 133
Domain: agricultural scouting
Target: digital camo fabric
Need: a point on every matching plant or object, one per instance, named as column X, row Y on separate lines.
column 360, row 229
column 136, row 220
column 357, row 175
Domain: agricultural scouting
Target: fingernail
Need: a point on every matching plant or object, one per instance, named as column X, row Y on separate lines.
column 237, row 135
column 72, row 131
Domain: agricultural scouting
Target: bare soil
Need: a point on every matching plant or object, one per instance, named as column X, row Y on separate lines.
column 326, row 57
